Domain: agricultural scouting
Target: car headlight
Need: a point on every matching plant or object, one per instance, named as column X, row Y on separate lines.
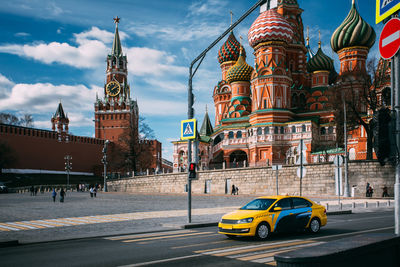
column 247, row 220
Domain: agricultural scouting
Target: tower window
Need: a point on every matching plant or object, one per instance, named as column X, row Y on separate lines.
column 282, row 130
column 276, row 130
column 265, row 104
column 266, row 130
column 323, row 131
column 303, row 128
column 293, row 129
column 330, row 130
column 239, row 134
column 230, row 135
column 259, row 131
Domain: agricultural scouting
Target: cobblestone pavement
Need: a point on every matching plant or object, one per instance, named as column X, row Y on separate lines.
column 116, row 213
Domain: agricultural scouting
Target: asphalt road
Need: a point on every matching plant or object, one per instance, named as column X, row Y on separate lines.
column 196, row 247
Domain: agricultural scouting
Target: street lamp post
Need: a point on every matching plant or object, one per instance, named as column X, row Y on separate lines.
column 68, row 167
column 192, row 72
column 104, row 161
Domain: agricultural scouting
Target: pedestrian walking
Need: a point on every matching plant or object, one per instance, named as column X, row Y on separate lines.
column 32, row 190
column 237, row 190
column 91, row 191
column 367, row 190
column 62, row 195
column 233, row 192
column 95, row 191
column 54, row 194
column 385, row 192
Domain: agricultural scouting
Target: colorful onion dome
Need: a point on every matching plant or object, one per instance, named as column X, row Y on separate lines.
column 241, row 71
column 270, row 26
column 230, row 50
column 319, row 61
column 353, row 31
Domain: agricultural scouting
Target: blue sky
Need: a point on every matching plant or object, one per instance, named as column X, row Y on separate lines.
column 55, row 49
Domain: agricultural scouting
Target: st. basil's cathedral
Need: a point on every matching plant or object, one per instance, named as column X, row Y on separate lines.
column 262, row 112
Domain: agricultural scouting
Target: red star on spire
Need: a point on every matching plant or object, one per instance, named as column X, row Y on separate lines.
column 116, row 20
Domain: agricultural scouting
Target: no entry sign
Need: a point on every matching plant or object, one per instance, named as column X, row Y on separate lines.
column 389, row 41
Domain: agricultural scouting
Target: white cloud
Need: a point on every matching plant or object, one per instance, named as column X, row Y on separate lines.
column 97, row 34
column 179, row 33
column 146, row 61
column 5, row 86
column 44, row 97
column 22, row 34
column 152, row 106
column 208, row 7
column 167, row 86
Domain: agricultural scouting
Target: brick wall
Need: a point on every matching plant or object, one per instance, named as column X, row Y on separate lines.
column 319, row 180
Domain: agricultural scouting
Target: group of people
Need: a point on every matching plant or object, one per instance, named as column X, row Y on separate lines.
column 62, row 195
column 369, row 190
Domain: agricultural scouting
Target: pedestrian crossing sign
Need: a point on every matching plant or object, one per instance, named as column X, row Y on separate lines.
column 188, row 129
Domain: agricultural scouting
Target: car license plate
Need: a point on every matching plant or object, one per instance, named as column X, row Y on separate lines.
column 227, row 227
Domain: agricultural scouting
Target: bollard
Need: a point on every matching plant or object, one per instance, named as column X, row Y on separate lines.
column 377, row 204
column 327, row 206
column 353, row 205
column 388, row 203
column 366, row 204
column 341, row 206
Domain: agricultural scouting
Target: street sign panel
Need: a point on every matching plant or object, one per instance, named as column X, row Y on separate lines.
column 389, row 41
column 301, row 172
column 276, row 167
column 188, row 129
column 385, row 8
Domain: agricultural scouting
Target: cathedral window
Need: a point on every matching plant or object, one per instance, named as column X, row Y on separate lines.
column 282, row 130
column 112, row 117
column 259, row 131
column 293, row 129
column 330, row 130
column 276, row 130
column 265, row 104
column 230, row 135
column 303, row 128
column 350, row 65
column 239, row 134
column 323, row 131
column 266, row 130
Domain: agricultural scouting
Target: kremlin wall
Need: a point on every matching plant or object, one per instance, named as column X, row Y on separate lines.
column 319, row 181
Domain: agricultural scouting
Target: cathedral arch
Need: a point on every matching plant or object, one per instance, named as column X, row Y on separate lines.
column 237, row 157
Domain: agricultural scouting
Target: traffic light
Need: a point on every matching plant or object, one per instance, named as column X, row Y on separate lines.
column 383, row 132
column 192, row 170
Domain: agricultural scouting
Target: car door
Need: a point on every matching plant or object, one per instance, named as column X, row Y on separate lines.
column 285, row 220
column 302, row 210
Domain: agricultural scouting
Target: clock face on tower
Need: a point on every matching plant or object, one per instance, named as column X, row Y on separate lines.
column 113, row 88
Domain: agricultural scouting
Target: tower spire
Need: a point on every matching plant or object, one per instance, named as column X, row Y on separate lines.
column 116, row 48
column 308, row 37
column 319, row 36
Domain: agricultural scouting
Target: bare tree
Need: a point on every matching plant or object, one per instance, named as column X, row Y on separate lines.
column 26, row 120
column 359, row 92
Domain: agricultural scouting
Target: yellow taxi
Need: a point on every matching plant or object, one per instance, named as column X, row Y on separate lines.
column 265, row 215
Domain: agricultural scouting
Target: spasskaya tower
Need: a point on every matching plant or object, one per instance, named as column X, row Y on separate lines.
column 116, row 113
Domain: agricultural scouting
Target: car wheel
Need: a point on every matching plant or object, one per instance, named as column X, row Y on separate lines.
column 262, row 231
column 315, row 225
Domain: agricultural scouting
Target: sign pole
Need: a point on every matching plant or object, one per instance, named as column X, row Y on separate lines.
column 277, row 174
column 301, row 164
column 395, row 71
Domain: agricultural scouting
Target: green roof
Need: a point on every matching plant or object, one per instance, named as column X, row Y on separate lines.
column 206, row 128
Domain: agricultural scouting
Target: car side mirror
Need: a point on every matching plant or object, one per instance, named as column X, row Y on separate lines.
column 277, row 209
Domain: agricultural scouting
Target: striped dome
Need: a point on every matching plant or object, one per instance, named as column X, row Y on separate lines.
column 319, row 61
column 241, row 71
column 270, row 26
column 230, row 50
column 353, row 31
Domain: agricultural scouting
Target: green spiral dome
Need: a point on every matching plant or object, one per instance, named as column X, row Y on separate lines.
column 319, row 62
column 353, row 31
column 241, row 71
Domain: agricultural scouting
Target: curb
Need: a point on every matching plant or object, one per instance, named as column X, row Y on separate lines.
column 339, row 212
column 8, row 243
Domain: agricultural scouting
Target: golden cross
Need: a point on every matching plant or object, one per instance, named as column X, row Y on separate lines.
column 231, row 16
column 319, row 35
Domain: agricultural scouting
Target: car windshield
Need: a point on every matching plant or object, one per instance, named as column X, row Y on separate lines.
column 259, row 204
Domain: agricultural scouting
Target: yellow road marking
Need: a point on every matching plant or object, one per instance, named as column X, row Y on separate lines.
column 148, row 235
column 201, row 244
column 33, row 225
column 263, row 255
column 15, row 226
column 178, row 238
column 164, row 237
column 262, row 248
column 52, row 223
column 63, row 222
column 216, row 249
